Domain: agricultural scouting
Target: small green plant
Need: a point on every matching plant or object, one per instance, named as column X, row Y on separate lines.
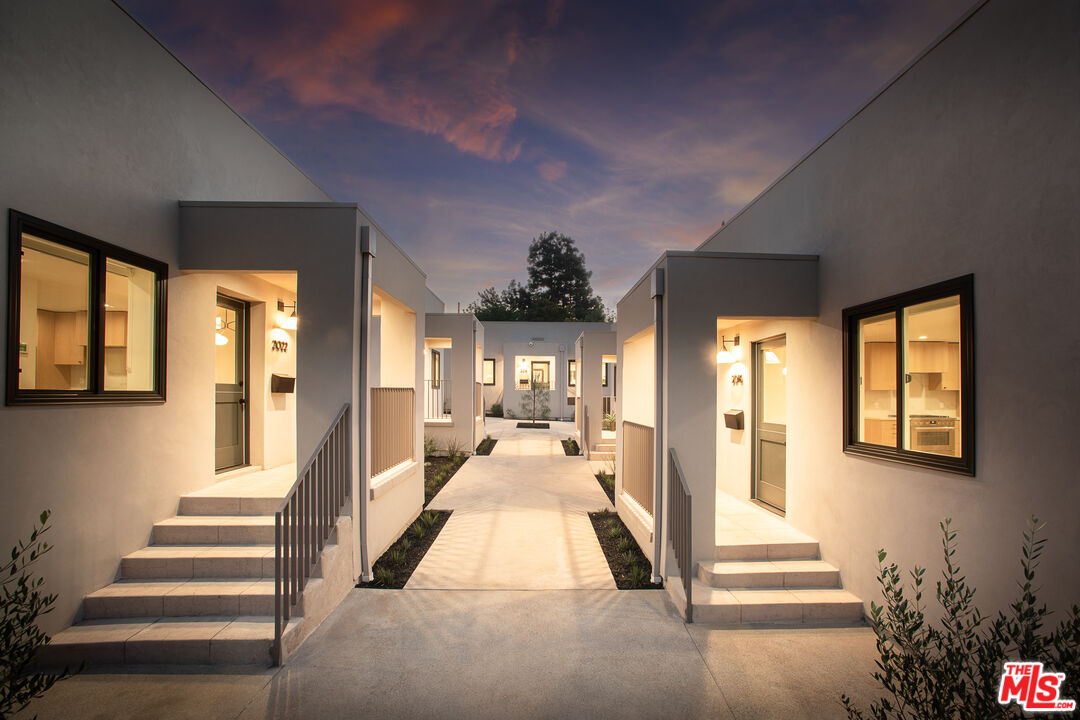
column 639, row 575
column 510, row 414
column 496, row 410
column 20, row 637
column 605, row 514
column 608, row 421
column 454, row 449
column 404, row 544
column 535, row 401
column 430, row 446
column 630, row 558
column 954, row 671
column 429, row 517
column 418, row 530
column 396, row 557
column 614, row 530
column 384, row 576
column 625, row 544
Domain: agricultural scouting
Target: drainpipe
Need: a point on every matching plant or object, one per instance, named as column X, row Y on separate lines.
column 367, row 255
column 657, row 294
column 472, row 387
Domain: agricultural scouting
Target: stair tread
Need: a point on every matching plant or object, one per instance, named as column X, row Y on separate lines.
column 186, row 551
column 201, row 520
column 708, row 595
column 232, row 627
column 199, row 586
column 732, row 567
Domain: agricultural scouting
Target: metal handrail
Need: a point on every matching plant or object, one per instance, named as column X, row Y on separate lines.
column 306, row 517
column 679, row 525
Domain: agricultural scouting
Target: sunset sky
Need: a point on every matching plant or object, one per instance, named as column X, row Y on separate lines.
column 466, row 129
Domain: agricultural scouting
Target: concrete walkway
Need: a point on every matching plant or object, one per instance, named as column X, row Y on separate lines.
column 520, row 519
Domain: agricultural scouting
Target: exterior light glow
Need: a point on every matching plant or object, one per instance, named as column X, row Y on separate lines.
column 770, row 358
column 220, row 339
column 291, row 322
column 724, row 355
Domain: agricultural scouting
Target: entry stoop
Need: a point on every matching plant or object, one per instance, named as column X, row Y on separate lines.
column 602, row 451
column 765, row 571
column 203, row 592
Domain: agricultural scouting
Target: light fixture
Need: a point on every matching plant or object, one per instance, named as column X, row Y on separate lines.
column 784, row 371
column 921, row 337
column 736, row 351
column 770, row 358
column 724, row 356
column 737, row 371
column 291, row 322
column 220, row 339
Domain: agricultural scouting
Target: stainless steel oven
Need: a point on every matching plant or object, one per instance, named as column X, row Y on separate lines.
column 936, row 434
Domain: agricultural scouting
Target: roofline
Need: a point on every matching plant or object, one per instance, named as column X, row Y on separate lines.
column 715, row 255
column 888, row 84
column 222, row 100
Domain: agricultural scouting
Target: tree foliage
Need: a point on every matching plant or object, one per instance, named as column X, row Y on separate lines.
column 559, row 287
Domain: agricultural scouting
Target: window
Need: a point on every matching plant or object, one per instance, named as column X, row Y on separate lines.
column 571, row 373
column 909, row 377
column 603, row 375
column 489, row 371
column 436, row 369
column 87, row 319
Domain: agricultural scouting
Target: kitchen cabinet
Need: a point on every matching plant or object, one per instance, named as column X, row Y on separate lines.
column 926, row 357
column 950, row 376
column 69, row 338
column 115, row 328
column 879, row 366
column 879, row 431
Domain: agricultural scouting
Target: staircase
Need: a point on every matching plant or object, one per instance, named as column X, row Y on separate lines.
column 602, row 451
column 201, row 593
column 765, row 571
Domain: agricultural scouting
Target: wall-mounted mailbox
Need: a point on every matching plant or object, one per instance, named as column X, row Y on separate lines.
column 733, row 419
column 282, row 384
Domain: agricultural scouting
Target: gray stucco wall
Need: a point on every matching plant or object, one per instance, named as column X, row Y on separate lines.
column 968, row 163
column 104, row 132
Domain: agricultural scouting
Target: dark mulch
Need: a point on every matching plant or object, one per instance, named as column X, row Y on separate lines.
column 607, row 482
column 534, row 426
column 622, row 560
column 437, row 472
column 486, row 446
column 570, row 447
column 413, row 549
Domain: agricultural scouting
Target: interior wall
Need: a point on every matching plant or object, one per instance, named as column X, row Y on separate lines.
column 397, row 343
column 639, row 375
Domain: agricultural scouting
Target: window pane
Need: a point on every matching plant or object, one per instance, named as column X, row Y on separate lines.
column 130, row 326
column 572, row 373
column 932, row 377
column 54, row 299
column 489, row 372
column 225, row 347
column 877, row 381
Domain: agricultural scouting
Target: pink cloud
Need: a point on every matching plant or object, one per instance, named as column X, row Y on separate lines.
column 552, row 170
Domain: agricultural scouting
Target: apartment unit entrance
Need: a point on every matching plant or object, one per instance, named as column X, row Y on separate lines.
column 231, row 384
column 769, row 466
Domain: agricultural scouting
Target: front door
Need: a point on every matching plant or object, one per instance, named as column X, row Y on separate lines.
column 770, row 422
column 230, row 377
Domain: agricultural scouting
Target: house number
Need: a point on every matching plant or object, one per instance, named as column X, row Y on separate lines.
column 279, row 345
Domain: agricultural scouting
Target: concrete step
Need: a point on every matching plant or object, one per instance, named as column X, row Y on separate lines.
column 777, row 574
column 180, row 598
column 221, row 640
column 199, row 561
column 753, row 549
column 215, row 529
column 831, row 606
column 207, row 503
column 604, row 447
column 594, row 455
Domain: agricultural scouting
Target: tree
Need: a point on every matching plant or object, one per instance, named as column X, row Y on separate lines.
column 559, row 287
column 535, row 402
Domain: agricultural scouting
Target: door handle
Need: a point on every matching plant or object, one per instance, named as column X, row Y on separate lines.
column 242, row 401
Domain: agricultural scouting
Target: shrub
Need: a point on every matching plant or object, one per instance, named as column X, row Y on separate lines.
column 639, row 575
column 510, row 414
column 630, row 558
column 418, row 530
column 535, row 401
column 954, row 671
column 626, row 544
column 608, row 421
column 614, row 530
column 496, row 410
column 430, row 446
column 454, row 449
column 384, row 576
column 428, row 517
column 404, row 544
column 605, row 514
column 396, row 557
column 20, row 637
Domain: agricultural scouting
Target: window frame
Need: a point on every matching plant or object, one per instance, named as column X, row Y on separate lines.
column 571, row 376
column 603, row 374
column 436, row 369
column 99, row 251
column 483, row 373
column 964, row 287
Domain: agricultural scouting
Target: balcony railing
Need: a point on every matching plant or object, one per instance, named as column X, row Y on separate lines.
column 392, row 427
column 306, row 517
column 638, row 467
column 437, row 400
column 679, row 524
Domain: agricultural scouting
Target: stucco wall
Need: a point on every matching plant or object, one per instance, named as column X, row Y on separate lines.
column 966, row 164
column 103, row 132
column 464, row 332
column 591, row 349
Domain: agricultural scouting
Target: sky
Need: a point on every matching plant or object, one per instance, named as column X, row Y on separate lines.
column 467, row 129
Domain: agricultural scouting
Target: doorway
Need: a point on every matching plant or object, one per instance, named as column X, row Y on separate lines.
column 231, row 384
column 769, row 466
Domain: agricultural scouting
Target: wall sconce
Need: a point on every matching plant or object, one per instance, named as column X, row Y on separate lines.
column 725, row 355
column 292, row 321
column 737, row 371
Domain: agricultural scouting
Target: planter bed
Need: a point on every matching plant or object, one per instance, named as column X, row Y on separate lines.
column 533, row 426
column 408, row 550
column 607, row 485
column 486, row 446
column 570, row 447
column 622, row 552
column 437, row 472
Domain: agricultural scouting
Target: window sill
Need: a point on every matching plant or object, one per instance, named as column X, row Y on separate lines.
column 958, row 466
column 387, row 480
column 433, row 422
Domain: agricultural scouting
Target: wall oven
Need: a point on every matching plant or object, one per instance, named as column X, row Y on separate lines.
column 936, row 434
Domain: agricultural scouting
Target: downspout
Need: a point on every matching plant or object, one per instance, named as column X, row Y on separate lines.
column 657, row 294
column 367, row 254
column 472, row 388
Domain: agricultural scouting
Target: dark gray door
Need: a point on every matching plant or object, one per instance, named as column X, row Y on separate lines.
column 770, row 422
column 230, row 377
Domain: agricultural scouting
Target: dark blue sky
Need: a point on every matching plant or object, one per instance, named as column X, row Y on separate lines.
column 468, row 129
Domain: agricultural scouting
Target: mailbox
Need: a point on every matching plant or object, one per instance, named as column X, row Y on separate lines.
column 733, row 419
column 282, row 384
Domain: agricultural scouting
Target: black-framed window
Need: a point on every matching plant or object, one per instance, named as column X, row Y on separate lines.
column 603, row 375
column 489, row 371
column 909, row 377
column 436, row 369
column 86, row 319
column 571, row 373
